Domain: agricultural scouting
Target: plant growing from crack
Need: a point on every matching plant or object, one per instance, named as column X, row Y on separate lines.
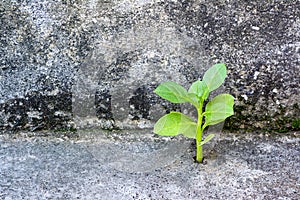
column 216, row 110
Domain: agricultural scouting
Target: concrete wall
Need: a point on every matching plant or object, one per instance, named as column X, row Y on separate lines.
column 96, row 62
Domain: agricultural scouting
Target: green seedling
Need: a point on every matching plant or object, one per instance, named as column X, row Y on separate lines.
column 215, row 111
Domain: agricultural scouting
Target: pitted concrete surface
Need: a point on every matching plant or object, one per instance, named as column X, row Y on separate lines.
column 104, row 165
column 100, row 60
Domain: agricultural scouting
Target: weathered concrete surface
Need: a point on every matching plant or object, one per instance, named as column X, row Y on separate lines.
column 94, row 165
column 110, row 55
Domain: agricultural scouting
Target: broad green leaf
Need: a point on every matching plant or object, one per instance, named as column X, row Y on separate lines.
column 200, row 89
column 172, row 92
column 175, row 123
column 207, row 139
column 215, row 76
column 218, row 109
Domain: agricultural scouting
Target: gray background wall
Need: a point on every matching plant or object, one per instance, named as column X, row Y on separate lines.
column 96, row 62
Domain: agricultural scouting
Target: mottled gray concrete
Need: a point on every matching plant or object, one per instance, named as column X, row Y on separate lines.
column 103, row 165
column 108, row 56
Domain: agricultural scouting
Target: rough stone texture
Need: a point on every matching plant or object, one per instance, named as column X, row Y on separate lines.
column 95, row 166
column 110, row 55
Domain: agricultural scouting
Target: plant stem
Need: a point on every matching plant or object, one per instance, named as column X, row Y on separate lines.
column 199, row 154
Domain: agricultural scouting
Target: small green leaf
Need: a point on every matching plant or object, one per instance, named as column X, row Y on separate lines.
column 207, row 139
column 175, row 123
column 172, row 92
column 218, row 109
column 215, row 76
column 193, row 99
column 200, row 89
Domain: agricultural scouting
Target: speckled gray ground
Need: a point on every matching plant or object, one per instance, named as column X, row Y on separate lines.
column 240, row 166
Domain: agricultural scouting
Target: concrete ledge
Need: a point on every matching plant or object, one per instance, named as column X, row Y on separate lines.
column 94, row 165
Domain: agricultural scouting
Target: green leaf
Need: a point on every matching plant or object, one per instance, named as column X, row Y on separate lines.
column 215, row 76
column 193, row 99
column 218, row 109
column 172, row 92
column 175, row 123
column 200, row 89
column 207, row 139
